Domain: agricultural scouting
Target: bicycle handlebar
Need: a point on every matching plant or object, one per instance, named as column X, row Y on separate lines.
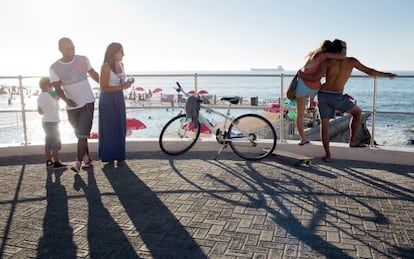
column 179, row 86
column 180, row 89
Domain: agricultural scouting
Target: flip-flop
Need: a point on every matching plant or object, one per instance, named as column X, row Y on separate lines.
column 358, row 145
column 326, row 160
column 306, row 142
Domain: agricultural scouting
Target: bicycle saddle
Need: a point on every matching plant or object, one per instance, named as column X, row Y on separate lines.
column 232, row 100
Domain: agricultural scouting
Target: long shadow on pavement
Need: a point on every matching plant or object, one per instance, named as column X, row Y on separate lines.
column 369, row 184
column 57, row 239
column 159, row 229
column 105, row 237
column 302, row 187
column 254, row 194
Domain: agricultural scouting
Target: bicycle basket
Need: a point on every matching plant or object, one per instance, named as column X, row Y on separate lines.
column 192, row 108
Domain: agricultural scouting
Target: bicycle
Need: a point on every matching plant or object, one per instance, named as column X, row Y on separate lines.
column 250, row 136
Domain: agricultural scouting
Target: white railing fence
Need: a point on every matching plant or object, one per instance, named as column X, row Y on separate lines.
column 284, row 80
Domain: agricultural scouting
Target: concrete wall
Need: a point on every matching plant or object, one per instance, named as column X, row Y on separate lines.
column 388, row 155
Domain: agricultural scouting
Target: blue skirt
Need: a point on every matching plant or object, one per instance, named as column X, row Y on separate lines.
column 112, row 127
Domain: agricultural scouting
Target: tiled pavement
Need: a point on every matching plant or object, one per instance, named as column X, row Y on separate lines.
column 193, row 206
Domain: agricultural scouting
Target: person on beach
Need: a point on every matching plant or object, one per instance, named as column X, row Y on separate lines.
column 112, row 111
column 69, row 76
column 331, row 97
column 47, row 105
column 309, row 89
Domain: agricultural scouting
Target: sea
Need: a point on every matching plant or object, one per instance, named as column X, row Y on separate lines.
column 394, row 120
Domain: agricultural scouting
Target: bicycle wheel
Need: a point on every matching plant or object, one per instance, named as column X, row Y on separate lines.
column 252, row 137
column 178, row 135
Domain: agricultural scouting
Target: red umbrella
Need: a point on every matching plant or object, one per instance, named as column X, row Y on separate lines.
column 134, row 124
column 273, row 107
column 157, row 90
column 202, row 92
column 139, row 88
column 191, row 92
column 203, row 128
column 94, row 135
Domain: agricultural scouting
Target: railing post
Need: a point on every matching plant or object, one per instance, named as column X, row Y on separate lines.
column 195, row 82
column 282, row 110
column 23, row 110
column 374, row 112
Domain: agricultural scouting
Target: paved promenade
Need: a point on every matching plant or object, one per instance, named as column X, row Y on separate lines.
column 193, row 206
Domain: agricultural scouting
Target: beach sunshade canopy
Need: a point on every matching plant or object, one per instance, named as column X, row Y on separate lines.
column 273, row 107
column 157, row 90
column 94, row 135
column 139, row 89
column 203, row 128
column 135, row 124
column 202, row 92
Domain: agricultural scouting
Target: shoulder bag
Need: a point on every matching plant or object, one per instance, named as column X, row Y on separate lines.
column 292, row 88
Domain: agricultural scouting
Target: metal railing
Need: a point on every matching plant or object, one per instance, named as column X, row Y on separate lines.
column 196, row 77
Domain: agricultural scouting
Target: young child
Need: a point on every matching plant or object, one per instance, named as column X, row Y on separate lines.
column 48, row 106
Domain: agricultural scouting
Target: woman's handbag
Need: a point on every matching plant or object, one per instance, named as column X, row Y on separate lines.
column 292, row 88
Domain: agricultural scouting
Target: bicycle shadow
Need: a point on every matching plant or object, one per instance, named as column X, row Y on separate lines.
column 345, row 215
column 293, row 190
column 257, row 198
column 356, row 172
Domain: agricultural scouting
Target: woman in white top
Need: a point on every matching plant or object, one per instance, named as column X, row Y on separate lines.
column 112, row 113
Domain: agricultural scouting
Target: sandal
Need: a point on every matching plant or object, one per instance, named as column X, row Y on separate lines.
column 327, row 160
column 358, row 145
column 121, row 163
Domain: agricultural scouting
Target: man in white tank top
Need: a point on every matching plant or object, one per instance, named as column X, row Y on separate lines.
column 69, row 76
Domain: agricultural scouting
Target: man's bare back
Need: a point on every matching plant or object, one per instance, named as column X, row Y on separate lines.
column 337, row 74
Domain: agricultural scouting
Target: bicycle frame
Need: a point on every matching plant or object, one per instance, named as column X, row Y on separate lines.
column 208, row 123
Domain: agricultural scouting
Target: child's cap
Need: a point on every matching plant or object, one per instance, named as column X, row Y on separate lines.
column 44, row 81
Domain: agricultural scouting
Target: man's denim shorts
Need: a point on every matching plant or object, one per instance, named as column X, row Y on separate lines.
column 81, row 120
column 328, row 103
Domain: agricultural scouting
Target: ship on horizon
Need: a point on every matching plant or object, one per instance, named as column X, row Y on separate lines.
column 278, row 69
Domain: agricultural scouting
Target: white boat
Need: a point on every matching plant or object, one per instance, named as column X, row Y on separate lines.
column 278, row 69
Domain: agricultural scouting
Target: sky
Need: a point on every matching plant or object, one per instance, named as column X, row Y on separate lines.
column 204, row 35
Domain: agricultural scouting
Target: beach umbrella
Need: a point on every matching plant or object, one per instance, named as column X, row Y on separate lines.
column 273, row 107
column 203, row 128
column 94, row 135
column 202, row 92
column 135, row 124
column 139, row 89
column 157, row 90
